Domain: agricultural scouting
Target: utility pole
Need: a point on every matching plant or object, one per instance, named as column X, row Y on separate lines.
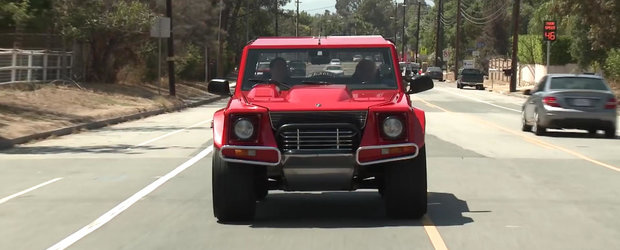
column 219, row 43
column 402, row 46
column 417, row 33
column 297, row 20
column 395, row 21
column 277, row 17
column 437, row 36
column 171, row 83
column 247, row 24
column 515, row 45
column 457, row 47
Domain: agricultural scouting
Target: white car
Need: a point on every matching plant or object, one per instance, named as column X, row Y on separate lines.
column 334, row 69
column 335, row 62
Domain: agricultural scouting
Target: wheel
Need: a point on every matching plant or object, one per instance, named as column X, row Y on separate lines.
column 592, row 132
column 524, row 126
column 261, row 185
column 610, row 132
column 479, row 87
column 234, row 195
column 537, row 128
column 405, row 188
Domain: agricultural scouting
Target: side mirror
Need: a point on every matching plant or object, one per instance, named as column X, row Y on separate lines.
column 219, row 87
column 527, row 92
column 420, row 84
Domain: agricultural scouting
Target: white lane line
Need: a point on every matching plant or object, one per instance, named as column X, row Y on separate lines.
column 169, row 134
column 5, row 199
column 478, row 100
column 108, row 216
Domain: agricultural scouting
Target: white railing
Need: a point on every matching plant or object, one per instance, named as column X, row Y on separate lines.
column 30, row 66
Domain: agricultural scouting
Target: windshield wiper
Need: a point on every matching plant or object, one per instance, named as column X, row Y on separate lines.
column 270, row 81
column 316, row 83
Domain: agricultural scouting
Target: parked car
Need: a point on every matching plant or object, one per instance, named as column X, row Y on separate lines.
column 319, row 132
column 334, row 69
column 435, row 73
column 262, row 68
column 357, row 58
column 335, row 61
column 570, row 102
column 471, row 78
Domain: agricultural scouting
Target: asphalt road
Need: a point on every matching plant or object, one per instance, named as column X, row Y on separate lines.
column 147, row 185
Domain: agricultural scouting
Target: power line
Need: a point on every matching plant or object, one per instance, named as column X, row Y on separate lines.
column 467, row 18
column 322, row 8
column 499, row 11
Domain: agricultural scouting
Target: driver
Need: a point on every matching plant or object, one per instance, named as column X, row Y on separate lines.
column 365, row 72
column 279, row 70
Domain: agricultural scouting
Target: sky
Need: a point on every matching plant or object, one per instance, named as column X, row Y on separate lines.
column 319, row 6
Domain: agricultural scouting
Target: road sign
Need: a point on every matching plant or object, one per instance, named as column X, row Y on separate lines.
column 161, row 27
column 549, row 31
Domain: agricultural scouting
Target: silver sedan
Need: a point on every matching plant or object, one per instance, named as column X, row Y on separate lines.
column 570, row 102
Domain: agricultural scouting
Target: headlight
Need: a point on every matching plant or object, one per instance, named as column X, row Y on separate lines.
column 392, row 127
column 244, row 129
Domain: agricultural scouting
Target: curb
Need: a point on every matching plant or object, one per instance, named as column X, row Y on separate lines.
column 9, row 143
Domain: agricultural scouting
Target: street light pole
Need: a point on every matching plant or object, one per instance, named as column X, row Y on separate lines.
column 276, row 17
column 417, row 33
column 403, row 35
column 437, row 36
column 515, row 46
column 457, row 49
column 171, row 82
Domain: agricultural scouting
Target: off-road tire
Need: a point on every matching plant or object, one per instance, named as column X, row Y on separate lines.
column 405, row 192
column 234, row 195
column 610, row 132
column 261, row 184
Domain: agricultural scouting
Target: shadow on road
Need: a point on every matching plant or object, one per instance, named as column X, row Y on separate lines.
column 360, row 209
column 156, row 129
column 577, row 135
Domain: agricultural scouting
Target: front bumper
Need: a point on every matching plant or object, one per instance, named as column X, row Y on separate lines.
column 364, row 155
column 470, row 83
column 571, row 118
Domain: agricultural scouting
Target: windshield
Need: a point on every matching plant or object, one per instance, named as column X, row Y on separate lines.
column 307, row 66
column 577, row 83
column 434, row 69
column 471, row 71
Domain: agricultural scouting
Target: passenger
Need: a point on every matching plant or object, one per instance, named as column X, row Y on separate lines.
column 365, row 72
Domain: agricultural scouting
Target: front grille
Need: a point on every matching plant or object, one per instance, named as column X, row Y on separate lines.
column 357, row 118
column 318, row 138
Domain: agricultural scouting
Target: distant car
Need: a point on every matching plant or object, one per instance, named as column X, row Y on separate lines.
column 470, row 77
column 297, row 68
column 334, row 69
column 262, row 68
column 570, row 102
column 335, row 61
column 369, row 58
column 435, row 73
column 357, row 58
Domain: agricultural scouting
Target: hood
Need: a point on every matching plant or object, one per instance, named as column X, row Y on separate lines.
column 317, row 98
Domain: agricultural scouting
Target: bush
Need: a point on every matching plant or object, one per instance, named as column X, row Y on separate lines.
column 191, row 65
column 612, row 65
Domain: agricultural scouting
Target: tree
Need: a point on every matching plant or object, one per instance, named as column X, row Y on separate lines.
column 112, row 29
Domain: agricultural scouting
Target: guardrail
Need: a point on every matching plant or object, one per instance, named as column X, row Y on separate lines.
column 30, row 66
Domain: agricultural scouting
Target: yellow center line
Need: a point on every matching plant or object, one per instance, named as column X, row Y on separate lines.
column 433, row 233
column 536, row 141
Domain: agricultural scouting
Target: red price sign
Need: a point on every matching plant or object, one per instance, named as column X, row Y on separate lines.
column 549, row 31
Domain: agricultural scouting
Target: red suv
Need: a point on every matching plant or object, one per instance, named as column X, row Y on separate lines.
column 319, row 131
